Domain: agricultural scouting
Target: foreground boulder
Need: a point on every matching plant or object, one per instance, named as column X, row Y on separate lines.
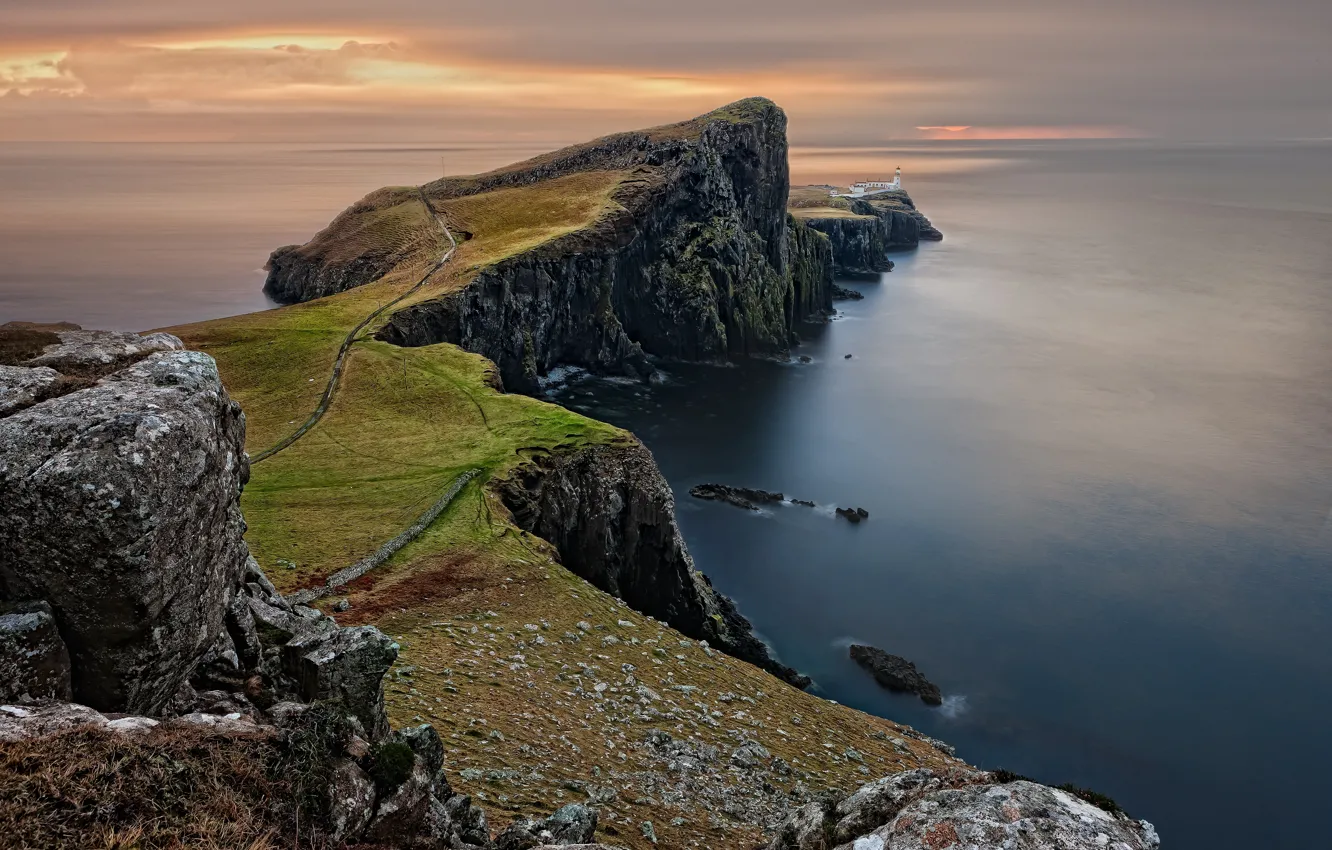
column 896, row 673
column 923, row 810
column 119, row 507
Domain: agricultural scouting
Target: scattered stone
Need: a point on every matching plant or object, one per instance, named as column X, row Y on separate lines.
column 896, row 673
column 648, row 831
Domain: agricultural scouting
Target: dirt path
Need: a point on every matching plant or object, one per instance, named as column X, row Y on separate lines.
column 327, row 398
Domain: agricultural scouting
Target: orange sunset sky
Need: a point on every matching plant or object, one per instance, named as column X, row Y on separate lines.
column 847, row 71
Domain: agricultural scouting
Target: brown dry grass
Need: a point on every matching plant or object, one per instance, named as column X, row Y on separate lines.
column 18, row 344
column 169, row 787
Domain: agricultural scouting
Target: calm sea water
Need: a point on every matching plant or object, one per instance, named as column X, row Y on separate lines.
column 1093, row 429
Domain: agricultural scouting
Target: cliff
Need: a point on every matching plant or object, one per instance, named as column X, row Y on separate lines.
column 692, row 258
column 862, row 231
column 611, row 516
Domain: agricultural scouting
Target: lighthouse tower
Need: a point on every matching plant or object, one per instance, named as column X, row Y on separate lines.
column 897, row 179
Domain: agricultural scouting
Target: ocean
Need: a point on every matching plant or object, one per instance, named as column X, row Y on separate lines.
column 1092, row 428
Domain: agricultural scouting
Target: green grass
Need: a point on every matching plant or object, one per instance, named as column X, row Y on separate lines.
column 805, row 213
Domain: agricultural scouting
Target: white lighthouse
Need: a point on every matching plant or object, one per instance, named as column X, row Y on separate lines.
column 872, row 187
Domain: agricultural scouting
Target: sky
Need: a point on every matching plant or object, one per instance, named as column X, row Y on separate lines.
column 848, row 72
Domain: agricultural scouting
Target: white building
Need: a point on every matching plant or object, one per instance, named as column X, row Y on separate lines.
column 872, row 187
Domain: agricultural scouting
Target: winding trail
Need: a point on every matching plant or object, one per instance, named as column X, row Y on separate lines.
column 327, row 398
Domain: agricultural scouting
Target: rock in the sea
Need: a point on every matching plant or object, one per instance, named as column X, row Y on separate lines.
column 896, row 673
column 119, row 506
column 924, row 810
column 34, row 663
column 843, row 293
column 853, row 514
column 742, row 497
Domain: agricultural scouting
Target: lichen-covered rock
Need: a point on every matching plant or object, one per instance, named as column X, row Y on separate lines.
column 878, row 802
column 34, row 663
column 611, row 516
column 18, row 722
column 574, row 824
column 84, row 352
column 119, row 506
column 403, row 812
column 351, row 800
column 468, row 819
column 22, row 387
column 347, row 666
column 923, row 810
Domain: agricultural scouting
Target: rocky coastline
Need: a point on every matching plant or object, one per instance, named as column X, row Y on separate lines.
column 135, row 619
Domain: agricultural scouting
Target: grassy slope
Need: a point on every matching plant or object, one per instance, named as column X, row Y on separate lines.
column 407, row 421
column 807, row 202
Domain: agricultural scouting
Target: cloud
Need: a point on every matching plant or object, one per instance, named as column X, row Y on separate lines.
column 849, row 71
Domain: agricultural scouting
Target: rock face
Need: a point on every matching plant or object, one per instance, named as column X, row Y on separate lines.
column 922, row 810
column 118, row 506
column 859, row 245
column 896, row 673
column 611, row 516
column 34, row 663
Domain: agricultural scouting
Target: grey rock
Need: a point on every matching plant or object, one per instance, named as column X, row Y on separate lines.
column 20, row 722
column 859, row 245
column 351, row 800
column 750, row 755
column 119, row 506
column 1019, row 815
column 573, row 824
column 34, row 664
column 807, row 828
column 83, row 352
column 895, row 673
column 404, row 812
column 22, row 387
column 468, row 819
column 879, row 802
column 346, row 665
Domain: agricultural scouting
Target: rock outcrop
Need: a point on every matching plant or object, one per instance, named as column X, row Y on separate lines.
column 924, row 810
column 118, row 507
column 896, row 673
column 610, row 515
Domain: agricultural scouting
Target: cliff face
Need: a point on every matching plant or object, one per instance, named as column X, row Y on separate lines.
column 859, row 244
column 611, row 516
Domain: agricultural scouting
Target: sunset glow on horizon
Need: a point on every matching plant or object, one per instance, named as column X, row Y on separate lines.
column 405, row 69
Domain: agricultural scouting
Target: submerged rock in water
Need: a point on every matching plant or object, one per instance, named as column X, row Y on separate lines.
column 845, row 293
column 896, row 673
column 853, row 514
column 742, row 497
